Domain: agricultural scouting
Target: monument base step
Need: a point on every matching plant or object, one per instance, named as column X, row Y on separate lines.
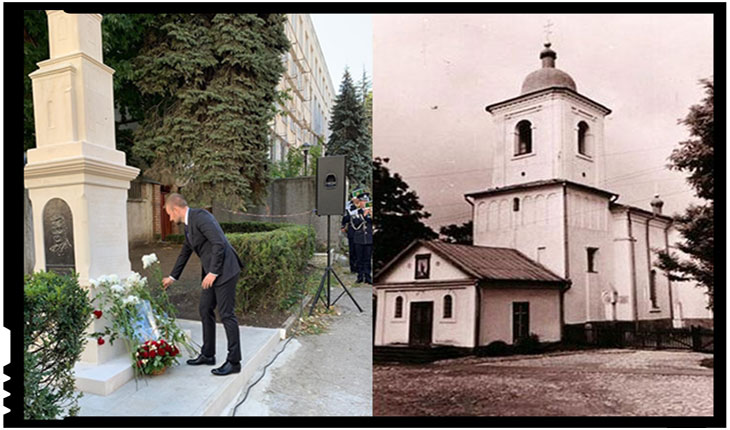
column 102, row 379
column 185, row 390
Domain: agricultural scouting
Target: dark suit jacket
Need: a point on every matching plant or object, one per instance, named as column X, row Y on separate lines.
column 206, row 238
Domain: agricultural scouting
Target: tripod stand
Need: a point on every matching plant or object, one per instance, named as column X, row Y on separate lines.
column 326, row 275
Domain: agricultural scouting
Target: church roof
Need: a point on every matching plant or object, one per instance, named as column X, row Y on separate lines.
column 547, row 76
column 538, row 183
column 485, row 262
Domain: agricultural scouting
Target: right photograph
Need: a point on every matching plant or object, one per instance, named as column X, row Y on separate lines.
column 543, row 244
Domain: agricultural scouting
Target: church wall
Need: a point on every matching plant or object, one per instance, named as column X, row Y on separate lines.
column 622, row 267
column 455, row 331
column 690, row 300
column 585, row 169
column 536, row 229
column 588, row 227
column 496, row 313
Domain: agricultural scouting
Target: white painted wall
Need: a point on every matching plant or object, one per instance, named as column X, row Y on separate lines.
column 456, row 331
column 496, row 318
column 441, row 270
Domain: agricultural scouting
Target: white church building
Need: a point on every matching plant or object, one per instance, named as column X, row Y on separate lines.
column 551, row 247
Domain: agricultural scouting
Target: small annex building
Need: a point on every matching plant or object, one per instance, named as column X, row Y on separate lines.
column 465, row 296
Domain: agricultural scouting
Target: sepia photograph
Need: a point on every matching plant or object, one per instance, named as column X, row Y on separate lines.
column 544, row 199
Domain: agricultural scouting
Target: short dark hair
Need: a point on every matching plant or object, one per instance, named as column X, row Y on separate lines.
column 175, row 199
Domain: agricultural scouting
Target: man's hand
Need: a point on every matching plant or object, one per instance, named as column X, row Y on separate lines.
column 208, row 280
column 166, row 282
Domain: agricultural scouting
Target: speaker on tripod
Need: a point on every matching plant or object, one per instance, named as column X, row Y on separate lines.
column 330, row 191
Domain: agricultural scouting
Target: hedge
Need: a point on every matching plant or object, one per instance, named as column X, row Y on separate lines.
column 251, row 226
column 56, row 312
column 274, row 263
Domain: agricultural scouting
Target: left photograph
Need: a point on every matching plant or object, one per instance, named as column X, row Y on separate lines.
column 198, row 215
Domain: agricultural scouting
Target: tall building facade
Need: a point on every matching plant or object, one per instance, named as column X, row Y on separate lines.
column 304, row 117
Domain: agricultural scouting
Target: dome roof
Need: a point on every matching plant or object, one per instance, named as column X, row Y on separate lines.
column 548, row 76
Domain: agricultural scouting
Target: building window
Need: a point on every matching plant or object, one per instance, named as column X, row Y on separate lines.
column 520, row 320
column 399, row 307
column 583, row 138
column 423, row 266
column 591, row 254
column 516, row 204
column 523, row 137
column 652, row 289
column 448, row 306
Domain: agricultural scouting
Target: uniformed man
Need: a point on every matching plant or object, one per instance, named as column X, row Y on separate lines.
column 362, row 222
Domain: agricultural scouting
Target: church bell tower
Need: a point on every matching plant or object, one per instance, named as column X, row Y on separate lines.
column 550, row 131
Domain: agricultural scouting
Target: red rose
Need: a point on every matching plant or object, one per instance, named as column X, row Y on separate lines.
column 100, row 341
column 161, row 352
column 97, row 314
column 152, row 354
column 144, row 354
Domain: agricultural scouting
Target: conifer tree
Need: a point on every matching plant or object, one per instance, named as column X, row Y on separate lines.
column 398, row 215
column 213, row 77
column 697, row 224
column 349, row 134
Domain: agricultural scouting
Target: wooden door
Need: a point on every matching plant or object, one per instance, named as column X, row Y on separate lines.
column 165, row 223
column 421, row 324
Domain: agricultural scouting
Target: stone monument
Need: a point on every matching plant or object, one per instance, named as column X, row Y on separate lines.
column 77, row 180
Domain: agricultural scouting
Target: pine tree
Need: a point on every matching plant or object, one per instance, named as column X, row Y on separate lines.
column 398, row 214
column 349, row 134
column 696, row 225
column 214, row 77
column 462, row 234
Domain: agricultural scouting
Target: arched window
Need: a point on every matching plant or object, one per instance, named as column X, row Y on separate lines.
column 399, row 307
column 516, row 204
column 523, row 138
column 583, row 138
column 448, row 306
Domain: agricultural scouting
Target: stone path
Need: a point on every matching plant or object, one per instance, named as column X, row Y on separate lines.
column 329, row 374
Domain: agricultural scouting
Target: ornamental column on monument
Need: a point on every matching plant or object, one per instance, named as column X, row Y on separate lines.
column 76, row 178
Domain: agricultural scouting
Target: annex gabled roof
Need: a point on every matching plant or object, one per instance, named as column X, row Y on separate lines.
column 485, row 262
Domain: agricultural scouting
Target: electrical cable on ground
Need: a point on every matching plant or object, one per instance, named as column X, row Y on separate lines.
column 299, row 318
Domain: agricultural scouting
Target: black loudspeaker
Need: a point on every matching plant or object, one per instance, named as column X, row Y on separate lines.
column 331, row 185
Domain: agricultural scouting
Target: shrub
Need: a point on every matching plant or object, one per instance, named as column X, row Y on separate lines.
column 528, row 345
column 175, row 238
column 274, row 263
column 56, row 313
column 251, row 226
column 494, row 349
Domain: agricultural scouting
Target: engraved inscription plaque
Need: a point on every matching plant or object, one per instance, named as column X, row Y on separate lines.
column 58, row 238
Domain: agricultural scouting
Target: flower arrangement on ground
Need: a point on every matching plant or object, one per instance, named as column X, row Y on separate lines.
column 140, row 313
column 154, row 356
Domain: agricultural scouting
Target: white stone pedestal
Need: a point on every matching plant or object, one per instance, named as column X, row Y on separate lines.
column 76, row 160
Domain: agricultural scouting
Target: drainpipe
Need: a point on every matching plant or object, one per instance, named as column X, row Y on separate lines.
column 633, row 272
column 477, row 313
column 669, row 282
column 567, row 258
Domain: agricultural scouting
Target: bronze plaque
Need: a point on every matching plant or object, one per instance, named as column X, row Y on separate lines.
column 58, row 237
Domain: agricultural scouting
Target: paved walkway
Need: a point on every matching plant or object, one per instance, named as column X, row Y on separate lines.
column 329, row 374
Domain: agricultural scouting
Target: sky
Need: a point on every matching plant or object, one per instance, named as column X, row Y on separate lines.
column 434, row 75
column 346, row 41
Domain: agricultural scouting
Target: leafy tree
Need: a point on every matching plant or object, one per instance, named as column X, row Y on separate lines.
column 696, row 225
column 398, row 215
column 214, row 78
column 293, row 165
column 461, row 234
column 349, row 133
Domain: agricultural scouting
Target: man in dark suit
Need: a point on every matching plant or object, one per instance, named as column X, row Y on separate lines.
column 220, row 269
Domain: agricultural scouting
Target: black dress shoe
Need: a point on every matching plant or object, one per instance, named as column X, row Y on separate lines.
column 227, row 369
column 201, row 359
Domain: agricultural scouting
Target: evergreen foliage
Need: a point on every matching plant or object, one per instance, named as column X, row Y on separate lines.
column 56, row 312
column 696, row 225
column 215, row 77
column 349, row 133
column 35, row 49
column 461, row 234
column 399, row 215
